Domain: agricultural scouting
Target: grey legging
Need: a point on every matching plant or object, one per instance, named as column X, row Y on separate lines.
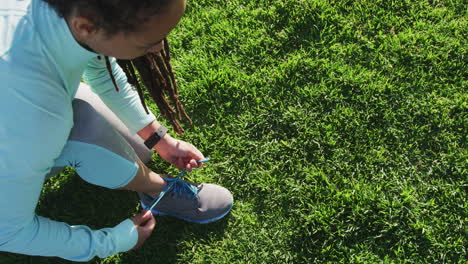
column 100, row 147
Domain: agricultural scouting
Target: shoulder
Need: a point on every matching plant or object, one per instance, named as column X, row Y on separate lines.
column 35, row 109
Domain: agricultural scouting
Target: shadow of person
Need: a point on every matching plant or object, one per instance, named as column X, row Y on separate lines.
column 169, row 238
column 67, row 198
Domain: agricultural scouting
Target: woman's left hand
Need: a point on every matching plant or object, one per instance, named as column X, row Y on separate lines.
column 179, row 153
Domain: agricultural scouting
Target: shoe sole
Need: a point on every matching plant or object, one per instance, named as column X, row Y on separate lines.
column 205, row 221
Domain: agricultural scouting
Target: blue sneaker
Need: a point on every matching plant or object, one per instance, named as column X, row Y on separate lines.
column 203, row 203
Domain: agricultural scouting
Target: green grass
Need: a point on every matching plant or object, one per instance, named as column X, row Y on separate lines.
column 339, row 126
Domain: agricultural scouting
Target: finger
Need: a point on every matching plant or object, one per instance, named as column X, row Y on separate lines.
column 194, row 153
column 146, row 215
column 137, row 219
column 194, row 163
column 180, row 164
column 149, row 226
column 141, row 218
column 188, row 167
column 197, row 155
column 186, row 162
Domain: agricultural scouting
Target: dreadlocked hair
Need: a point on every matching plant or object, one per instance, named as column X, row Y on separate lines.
column 156, row 75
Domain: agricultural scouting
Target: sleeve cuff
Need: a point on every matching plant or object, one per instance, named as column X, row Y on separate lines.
column 126, row 235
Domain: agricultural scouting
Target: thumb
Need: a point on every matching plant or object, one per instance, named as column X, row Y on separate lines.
column 142, row 218
column 150, row 224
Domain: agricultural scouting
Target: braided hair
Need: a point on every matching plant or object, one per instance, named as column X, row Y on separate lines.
column 154, row 71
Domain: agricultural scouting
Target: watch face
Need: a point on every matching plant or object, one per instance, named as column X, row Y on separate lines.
column 152, row 140
column 162, row 130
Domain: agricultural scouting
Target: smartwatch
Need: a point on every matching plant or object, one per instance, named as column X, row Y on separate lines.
column 155, row 137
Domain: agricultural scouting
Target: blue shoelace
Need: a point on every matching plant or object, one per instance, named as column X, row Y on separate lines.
column 180, row 187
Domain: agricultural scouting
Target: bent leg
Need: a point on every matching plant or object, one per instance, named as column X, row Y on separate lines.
column 84, row 93
column 102, row 156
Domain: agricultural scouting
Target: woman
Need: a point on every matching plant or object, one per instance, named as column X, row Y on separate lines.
column 47, row 123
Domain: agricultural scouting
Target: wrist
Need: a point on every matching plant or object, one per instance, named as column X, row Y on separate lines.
column 156, row 137
column 149, row 129
column 164, row 143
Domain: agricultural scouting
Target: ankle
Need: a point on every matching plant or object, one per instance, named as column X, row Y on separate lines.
column 162, row 186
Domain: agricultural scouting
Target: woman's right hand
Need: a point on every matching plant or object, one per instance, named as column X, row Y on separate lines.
column 145, row 224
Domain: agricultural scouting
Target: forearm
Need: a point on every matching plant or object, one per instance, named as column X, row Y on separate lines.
column 23, row 232
column 125, row 103
column 45, row 237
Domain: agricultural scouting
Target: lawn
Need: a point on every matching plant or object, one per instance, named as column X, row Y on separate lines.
column 339, row 126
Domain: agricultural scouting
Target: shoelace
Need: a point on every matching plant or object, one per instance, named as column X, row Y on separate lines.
column 180, row 189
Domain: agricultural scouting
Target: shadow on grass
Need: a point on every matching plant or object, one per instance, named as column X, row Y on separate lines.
column 71, row 200
column 172, row 237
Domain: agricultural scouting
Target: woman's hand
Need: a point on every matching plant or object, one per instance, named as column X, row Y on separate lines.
column 145, row 224
column 179, row 153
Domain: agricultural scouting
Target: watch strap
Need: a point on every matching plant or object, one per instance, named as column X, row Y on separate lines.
column 155, row 137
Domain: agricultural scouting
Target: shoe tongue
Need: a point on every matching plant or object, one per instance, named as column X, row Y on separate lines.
column 185, row 188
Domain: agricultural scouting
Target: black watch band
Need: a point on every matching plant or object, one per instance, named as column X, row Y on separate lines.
column 154, row 139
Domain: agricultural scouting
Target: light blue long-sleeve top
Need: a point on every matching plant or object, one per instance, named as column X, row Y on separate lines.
column 41, row 66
